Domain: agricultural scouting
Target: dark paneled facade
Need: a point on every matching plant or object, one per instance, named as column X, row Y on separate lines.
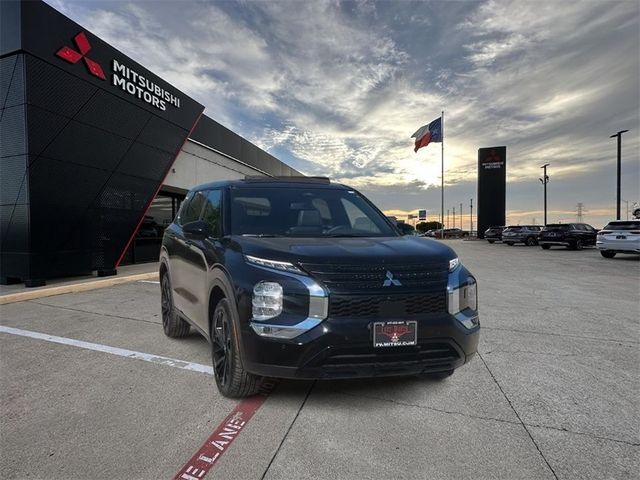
column 80, row 162
column 211, row 133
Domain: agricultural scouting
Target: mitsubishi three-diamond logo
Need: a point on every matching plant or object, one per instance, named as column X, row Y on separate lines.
column 73, row 56
column 391, row 281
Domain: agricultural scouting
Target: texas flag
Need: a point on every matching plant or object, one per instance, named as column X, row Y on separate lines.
column 428, row 133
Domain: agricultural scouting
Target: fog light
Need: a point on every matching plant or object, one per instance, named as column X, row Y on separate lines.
column 267, row 301
column 463, row 297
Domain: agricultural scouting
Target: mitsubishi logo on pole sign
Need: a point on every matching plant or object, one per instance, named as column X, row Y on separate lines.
column 122, row 76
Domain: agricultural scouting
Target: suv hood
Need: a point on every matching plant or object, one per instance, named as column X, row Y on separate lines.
column 385, row 250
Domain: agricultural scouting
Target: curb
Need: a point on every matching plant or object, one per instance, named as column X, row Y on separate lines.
column 75, row 287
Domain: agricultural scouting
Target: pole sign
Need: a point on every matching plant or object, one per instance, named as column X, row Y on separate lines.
column 422, row 215
column 492, row 176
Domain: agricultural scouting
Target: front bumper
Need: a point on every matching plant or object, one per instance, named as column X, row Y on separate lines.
column 343, row 348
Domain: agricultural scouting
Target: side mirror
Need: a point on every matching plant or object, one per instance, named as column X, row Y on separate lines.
column 198, row 228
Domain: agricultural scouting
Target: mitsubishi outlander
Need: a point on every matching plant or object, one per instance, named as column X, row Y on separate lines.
column 299, row 277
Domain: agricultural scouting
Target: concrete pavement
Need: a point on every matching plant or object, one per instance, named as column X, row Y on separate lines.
column 553, row 392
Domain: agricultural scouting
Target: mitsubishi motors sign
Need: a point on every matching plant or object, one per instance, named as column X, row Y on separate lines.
column 141, row 87
column 50, row 36
column 122, row 76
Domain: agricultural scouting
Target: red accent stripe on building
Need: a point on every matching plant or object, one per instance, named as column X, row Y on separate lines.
column 222, row 437
column 146, row 209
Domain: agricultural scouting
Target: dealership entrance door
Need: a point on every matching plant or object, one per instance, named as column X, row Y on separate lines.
column 145, row 246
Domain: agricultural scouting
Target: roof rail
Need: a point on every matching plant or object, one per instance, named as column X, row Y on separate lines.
column 292, row 179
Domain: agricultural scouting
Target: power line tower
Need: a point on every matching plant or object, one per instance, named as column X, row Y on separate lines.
column 580, row 211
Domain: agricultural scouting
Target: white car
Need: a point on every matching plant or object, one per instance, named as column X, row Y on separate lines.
column 619, row 236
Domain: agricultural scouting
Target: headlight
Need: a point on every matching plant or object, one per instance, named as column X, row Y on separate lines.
column 466, row 296
column 453, row 264
column 267, row 301
column 274, row 264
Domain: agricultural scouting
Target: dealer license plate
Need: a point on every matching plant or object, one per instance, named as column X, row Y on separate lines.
column 621, row 237
column 395, row 334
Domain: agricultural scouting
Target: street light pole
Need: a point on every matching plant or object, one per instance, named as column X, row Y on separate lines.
column 544, row 180
column 619, row 135
column 471, row 215
column 454, row 217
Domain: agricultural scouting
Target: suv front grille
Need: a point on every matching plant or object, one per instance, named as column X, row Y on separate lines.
column 357, row 306
column 365, row 278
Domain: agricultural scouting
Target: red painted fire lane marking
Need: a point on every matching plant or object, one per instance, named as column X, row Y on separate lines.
column 223, row 436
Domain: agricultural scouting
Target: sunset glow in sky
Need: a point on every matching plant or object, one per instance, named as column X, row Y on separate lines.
column 337, row 89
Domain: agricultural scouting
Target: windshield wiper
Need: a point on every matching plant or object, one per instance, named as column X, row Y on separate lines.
column 261, row 235
column 343, row 235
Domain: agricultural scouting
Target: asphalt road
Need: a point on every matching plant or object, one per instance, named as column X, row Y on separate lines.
column 553, row 392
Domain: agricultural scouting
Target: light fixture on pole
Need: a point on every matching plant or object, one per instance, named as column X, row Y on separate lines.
column 618, row 169
column 544, row 180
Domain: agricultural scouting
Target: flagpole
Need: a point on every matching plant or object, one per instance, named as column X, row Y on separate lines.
column 442, row 180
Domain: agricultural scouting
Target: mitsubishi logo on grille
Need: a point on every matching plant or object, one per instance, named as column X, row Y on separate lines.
column 391, row 281
column 73, row 56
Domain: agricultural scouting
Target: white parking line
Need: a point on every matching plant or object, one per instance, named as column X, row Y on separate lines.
column 121, row 352
column 155, row 282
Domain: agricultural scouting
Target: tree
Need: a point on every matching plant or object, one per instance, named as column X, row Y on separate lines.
column 424, row 226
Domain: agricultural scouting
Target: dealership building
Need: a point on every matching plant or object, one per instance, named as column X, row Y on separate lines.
column 96, row 152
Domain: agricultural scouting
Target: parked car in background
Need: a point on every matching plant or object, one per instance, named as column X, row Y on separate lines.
column 527, row 234
column 451, row 233
column 619, row 236
column 571, row 235
column 406, row 229
column 493, row 234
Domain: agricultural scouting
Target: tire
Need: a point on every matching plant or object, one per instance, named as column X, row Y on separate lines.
column 607, row 253
column 509, row 243
column 530, row 242
column 545, row 247
column 436, row 375
column 172, row 324
column 232, row 379
column 576, row 245
column 491, row 241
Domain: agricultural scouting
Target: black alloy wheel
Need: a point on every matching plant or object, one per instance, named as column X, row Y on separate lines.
column 577, row 244
column 172, row 324
column 221, row 344
column 232, row 379
column 531, row 242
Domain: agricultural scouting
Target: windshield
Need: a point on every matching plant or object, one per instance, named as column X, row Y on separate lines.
column 631, row 225
column 305, row 212
column 513, row 229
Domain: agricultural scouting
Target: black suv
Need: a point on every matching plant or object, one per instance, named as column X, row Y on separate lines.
column 527, row 234
column 304, row 278
column 493, row 234
column 570, row 235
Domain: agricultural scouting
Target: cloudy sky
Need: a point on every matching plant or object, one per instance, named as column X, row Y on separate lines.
column 337, row 89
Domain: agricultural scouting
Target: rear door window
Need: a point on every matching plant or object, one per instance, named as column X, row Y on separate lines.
column 190, row 211
column 211, row 212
